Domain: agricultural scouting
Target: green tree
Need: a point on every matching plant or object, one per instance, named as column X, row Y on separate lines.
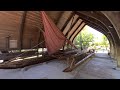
column 84, row 39
column 105, row 42
column 87, row 38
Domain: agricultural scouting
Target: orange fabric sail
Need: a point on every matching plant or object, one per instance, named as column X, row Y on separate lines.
column 54, row 38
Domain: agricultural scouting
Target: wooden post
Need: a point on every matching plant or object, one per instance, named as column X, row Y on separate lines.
column 81, row 41
column 22, row 24
column 38, row 43
column 7, row 42
column 40, row 36
column 31, row 40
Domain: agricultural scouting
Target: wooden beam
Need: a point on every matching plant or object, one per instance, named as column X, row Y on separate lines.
column 95, row 22
column 102, row 29
column 91, row 20
column 92, row 24
column 30, row 42
column 22, row 24
column 76, row 29
column 96, row 27
column 7, row 42
column 39, row 38
column 99, row 28
column 72, row 26
column 70, row 68
column 78, row 32
column 59, row 17
column 69, row 18
column 101, row 24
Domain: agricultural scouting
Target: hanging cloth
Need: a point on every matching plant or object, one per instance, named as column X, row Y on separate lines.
column 54, row 38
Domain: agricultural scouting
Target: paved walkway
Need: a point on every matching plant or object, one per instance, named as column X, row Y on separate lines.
column 100, row 67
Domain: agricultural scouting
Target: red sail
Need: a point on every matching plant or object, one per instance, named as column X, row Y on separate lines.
column 54, row 38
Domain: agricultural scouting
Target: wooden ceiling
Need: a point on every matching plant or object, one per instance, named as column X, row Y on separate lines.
column 69, row 22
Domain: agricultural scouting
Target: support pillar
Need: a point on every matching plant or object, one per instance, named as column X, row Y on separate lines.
column 112, row 51
column 22, row 24
column 118, row 56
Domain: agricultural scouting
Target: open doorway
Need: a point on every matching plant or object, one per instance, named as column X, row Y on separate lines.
column 92, row 39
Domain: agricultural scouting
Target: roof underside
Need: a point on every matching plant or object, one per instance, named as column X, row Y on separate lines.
column 69, row 22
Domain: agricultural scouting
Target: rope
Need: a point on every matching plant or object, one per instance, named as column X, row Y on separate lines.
column 23, row 53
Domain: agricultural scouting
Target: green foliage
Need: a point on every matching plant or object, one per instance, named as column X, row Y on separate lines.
column 86, row 39
column 104, row 42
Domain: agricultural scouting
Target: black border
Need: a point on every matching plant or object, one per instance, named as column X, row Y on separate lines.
column 59, row 5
